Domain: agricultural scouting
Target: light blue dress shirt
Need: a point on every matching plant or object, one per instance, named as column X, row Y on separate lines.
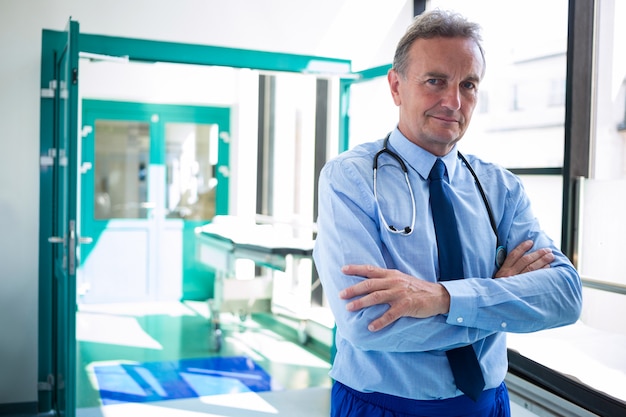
column 407, row 358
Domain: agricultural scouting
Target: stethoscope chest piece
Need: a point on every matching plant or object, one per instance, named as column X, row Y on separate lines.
column 500, row 256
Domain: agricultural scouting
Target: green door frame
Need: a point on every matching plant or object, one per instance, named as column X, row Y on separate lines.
column 58, row 238
column 135, row 50
column 344, row 99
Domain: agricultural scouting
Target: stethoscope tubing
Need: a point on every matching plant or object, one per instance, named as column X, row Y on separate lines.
column 408, row 230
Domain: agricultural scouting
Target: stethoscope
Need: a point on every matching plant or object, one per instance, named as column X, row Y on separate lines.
column 406, row 231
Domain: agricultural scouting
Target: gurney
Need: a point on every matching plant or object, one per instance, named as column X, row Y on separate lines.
column 285, row 289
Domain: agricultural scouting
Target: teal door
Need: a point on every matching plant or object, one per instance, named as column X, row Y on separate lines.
column 65, row 240
column 59, row 239
column 151, row 173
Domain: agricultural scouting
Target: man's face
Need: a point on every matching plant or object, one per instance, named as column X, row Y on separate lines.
column 438, row 93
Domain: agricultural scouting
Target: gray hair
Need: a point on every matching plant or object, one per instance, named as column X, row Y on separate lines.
column 432, row 24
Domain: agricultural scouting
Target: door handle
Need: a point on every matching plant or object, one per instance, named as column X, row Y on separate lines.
column 82, row 240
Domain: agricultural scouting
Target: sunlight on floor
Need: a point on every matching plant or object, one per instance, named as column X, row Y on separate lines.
column 246, row 401
column 130, row 338
column 310, row 402
column 113, row 330
column 277, row 350
column 199, row 307
column 169, row 308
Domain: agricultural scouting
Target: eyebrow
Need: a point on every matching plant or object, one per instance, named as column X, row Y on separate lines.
column 435, row 74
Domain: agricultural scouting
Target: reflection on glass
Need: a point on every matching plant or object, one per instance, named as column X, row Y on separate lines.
column 122, row 151
column 191, row 155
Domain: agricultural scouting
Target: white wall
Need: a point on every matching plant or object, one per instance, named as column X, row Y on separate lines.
column 364, row 31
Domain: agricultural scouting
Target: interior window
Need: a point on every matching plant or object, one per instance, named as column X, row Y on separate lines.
column 122, row 151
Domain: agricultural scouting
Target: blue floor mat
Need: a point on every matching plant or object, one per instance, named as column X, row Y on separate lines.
column 186, row 378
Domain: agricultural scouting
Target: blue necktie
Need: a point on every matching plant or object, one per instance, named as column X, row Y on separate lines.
column 465, row 368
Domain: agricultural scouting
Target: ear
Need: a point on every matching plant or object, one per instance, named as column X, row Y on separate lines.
column 394, row 85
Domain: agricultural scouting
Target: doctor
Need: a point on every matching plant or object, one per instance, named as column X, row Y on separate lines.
column 379, row 266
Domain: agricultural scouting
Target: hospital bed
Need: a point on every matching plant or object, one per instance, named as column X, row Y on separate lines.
column 285, row 287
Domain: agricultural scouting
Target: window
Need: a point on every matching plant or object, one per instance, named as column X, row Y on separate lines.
column 521, row 123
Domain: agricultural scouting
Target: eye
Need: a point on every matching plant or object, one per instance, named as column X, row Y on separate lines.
column 435, row 81
column 468, row 85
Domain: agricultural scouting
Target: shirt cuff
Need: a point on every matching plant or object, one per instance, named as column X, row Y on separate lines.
column 463, row 311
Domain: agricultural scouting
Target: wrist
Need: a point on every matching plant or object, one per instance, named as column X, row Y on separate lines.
column 444, row 297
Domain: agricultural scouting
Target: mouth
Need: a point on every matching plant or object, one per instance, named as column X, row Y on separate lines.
column 448, row 116
column 445, row 119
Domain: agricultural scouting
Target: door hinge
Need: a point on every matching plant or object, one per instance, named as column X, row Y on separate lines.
column 63, row 93
column 48, row 160
column 85, row 167
column 86, row 131
column 48, row 385
column 224, row 170
column 50, row 91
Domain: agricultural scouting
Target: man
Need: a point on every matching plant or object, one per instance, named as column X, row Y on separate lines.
column 377, row 252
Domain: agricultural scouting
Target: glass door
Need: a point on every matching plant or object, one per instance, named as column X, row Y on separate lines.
column 117, row 212
column 151, row 174
column 122, row 155
column 196, row 183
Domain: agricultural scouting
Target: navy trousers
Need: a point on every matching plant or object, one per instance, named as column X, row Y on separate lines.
column 346, row 402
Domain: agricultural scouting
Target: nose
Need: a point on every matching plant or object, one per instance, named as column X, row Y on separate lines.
column 451, row 98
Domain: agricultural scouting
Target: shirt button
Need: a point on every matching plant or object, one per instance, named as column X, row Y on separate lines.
column 503, row 324
column 459, row 319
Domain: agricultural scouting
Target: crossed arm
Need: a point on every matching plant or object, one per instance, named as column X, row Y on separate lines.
column 410, row 297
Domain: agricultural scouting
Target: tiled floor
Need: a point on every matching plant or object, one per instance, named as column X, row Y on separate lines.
column 139, row 333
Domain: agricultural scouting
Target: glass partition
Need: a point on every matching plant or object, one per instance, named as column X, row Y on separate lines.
column 369, row 122
column 191, row 157
column 122, row 152
column 519, row 121
column 546, row 194
column 590, row 352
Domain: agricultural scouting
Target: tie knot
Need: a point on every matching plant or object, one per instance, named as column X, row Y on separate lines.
column 438, row 170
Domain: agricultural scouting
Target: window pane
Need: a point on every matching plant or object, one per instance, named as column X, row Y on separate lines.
column 369, row 122
column 121, row 169
column 520, row 118
column 294, row 150
column 546, row 195
column 602, row 238
column 191, row 156
column 592, row 350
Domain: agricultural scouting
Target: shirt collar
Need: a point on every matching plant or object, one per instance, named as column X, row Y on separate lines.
column 420, row 159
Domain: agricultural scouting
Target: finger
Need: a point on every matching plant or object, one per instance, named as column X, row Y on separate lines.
column 383, row 321
column 361, row 288
column 542, row 261
column 525, row 263
column 367, row 271
column 532, row 261
column 535, row 256
column 366, row 286
column 516, row 254
column 369, row 298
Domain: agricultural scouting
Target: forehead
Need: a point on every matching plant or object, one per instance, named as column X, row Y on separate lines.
column 453, row 56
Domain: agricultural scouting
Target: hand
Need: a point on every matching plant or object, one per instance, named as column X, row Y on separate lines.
column 407, row 296
column 520, row 260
